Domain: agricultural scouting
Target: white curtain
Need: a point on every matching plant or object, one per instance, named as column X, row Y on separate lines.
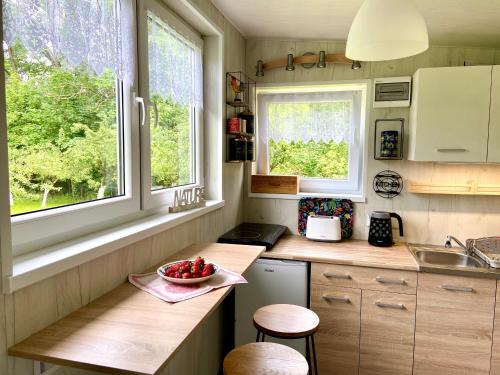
column 175, row 64
column 308, row 116
column 95, row 33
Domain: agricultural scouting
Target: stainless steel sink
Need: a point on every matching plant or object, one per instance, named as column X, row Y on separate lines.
column 443, row 258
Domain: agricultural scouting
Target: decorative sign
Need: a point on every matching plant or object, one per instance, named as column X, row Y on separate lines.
column 388, row 184
column 187, row 199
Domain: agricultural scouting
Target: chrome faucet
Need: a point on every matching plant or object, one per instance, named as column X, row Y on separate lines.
column 447, row 244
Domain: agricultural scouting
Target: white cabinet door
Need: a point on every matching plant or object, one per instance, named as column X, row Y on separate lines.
column 494, row 138
column 449, row 115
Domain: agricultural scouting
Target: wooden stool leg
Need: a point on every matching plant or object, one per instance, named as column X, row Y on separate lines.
column 314, row 355
column 258, row 336
column 263, row 335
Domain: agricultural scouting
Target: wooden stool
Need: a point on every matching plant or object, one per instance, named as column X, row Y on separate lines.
column 264, row 358
column 288, row 322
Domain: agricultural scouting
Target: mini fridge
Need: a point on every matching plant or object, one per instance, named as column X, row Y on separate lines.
column 269, row 282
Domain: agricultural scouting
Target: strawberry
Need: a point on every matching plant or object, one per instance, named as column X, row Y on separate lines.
column 200, row 262
column 196, row 274
column 186, row 275
column 206, row 273
column 178, row 275
column 174, row 267
column 209, row 267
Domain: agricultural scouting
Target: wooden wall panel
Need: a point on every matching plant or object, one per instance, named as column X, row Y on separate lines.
column 427, row 219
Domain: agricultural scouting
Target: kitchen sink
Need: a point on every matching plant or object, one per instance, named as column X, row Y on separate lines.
column 452, row 259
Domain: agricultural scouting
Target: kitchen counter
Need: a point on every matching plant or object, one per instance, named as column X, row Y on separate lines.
column 129, row 331
column 349, row 252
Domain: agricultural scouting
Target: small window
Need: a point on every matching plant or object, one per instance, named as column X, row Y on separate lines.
column 316, row 133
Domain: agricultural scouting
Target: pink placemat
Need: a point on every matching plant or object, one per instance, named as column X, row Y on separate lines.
column 169, row 292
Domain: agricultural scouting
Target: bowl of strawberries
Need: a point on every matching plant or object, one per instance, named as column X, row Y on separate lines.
column 192, row 271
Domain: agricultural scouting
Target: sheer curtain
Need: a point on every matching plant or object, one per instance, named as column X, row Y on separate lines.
column 94, row 33
column 317, row 116
column 175, row 64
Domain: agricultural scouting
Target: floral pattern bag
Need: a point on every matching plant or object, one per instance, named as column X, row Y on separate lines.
column 342, row 208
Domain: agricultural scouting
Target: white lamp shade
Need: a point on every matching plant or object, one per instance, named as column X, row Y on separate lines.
column 386, row 30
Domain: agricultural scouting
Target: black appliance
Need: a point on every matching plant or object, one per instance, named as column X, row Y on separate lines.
column 254, row 234
column 380, row 233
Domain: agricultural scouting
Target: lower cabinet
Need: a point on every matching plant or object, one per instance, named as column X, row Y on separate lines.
column 454, row 325
column 387, row 333
column 363, row 331
column 495, row 349
column 442, row 326
column 337, row 340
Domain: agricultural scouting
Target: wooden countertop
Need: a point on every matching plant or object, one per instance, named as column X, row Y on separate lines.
column 129, row 331
column 349, row 252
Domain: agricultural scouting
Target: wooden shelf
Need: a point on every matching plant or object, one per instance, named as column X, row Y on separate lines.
column 237, row 104
column 242, row 134
column 470, row 188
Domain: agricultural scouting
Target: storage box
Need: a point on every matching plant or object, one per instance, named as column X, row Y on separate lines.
column 274, row 184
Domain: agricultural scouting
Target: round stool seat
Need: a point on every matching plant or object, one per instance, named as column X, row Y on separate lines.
column 286, row 321
column 265, row 358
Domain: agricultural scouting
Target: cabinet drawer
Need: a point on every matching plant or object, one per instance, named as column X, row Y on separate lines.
column 364, row 278
column 337, row 339
column 454, row 325
column 387, row 333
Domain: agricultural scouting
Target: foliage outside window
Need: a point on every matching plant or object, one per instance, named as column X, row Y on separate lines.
column 62, row 131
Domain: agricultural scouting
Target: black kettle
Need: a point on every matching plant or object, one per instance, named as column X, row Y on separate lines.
column 380, row 233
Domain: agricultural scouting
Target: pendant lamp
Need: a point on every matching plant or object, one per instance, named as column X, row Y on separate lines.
column 386, row 30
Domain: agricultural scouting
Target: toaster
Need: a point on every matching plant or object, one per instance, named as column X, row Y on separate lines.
column 323, row 228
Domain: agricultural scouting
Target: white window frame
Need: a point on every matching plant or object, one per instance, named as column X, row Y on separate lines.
column 52, row 254
column 353, row 188
column 152, row 199
column 37, row 229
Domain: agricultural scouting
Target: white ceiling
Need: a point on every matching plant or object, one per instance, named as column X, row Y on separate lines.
column 450, row 22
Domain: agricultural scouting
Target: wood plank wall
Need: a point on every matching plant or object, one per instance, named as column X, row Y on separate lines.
column 34, row 307
column 427, row 219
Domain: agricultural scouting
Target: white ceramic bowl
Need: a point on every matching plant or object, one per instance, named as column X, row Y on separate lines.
column 186, row 281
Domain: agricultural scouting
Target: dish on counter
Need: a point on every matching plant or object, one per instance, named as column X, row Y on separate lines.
column 190, row 271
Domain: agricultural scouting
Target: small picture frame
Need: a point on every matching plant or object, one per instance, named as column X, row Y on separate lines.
column 389, row 139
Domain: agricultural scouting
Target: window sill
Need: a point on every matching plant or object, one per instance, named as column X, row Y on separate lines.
column 44, row 263
column 354, row 198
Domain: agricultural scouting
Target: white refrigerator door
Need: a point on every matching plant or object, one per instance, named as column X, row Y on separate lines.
column 269, row 282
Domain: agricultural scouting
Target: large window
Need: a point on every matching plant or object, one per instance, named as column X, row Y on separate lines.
column 63, row 114
column 316, row 133
column 96, row 128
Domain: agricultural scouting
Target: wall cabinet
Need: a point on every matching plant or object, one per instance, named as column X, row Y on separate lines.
column 494, row 135
column 454, row 325
column 450, row 115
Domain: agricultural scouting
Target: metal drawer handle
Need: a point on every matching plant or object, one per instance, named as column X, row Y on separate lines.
column 336, row 275
column 385, row 305
column 457, row 288
column 328, row 297
column 383, row 280
column 451, row 150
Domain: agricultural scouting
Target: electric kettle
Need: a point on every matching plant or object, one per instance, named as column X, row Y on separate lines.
column 380, row 233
